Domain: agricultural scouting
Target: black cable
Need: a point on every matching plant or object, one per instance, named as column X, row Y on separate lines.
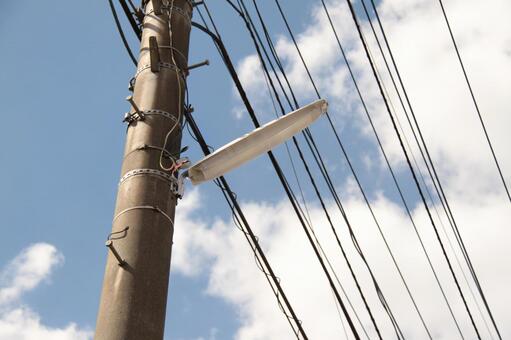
column 441, row 194
column 309, row 173
column 249, row 234
column 230, row 197
column 307, row 215
column 398, row 187
column 387, row 308
column 121, row 32
column 480, row 119
column 299, row 211
column 306, row 166
column 131, row 20
column 487, row 139
column 132, row 5
column 308, row 220
column 278, row 170
column 434, row 177
column 319, row 161
column 411, row 167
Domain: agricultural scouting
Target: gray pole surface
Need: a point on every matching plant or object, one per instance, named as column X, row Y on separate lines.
column 134, row 295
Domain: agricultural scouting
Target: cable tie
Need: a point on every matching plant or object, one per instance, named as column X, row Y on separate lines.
column 147, row 207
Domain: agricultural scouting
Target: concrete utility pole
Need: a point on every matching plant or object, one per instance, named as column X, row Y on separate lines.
column 134, row 295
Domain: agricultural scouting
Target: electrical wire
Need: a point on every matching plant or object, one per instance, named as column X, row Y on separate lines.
column 240, row 220
column 398, row 187
column 318, row 159
column 170, row 9
column 487, row 139
column 132, row 5
column 121, row 32
column 311, row 178
column 131, row 20
column 280, row 174
column 441, row 193
column 445, row 207
column 310, row 77
column 309, row 223
column 483, row 125
column 449, row 216
column 412, row 170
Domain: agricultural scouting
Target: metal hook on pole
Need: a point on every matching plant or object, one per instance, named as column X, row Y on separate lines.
column 110, row 245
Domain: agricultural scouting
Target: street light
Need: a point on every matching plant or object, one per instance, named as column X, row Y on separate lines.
column 253, row 144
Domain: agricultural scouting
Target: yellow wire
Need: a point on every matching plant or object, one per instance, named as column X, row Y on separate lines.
column 172, row 167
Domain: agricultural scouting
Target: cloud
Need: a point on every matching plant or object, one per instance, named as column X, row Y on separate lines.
column 24, row 324
column 221, row 253
column 23, row 274
column 425, row 56
column 434, row 81
column 27, row 270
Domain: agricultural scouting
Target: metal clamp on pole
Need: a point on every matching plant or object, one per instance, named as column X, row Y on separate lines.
column 191, row 67
column 154, row 54
column 130, row 117
column 110, row 245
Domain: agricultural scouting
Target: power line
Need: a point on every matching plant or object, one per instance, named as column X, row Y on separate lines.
column 248, row 23
column 283, row 179
column 319, row 161
column 249, row 234
column 280, row 174
column 121, row 32
column 406, row 139
column 346, row 156
column 131, row 20
column 308, row 220
column 412, row 170
column 453, row 224
column 488, row 141
column 317, row 155
column 350, row 71
column 482, row 124
column 438, row 188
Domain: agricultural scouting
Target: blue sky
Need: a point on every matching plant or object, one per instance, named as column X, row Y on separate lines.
column 63, row 85
column 63, row 88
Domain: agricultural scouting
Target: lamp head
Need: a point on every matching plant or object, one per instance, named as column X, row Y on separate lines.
column 255, row 143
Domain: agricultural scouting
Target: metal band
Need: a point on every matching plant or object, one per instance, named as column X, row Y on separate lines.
column 162, row 65
column 159, row 113
column 148, row 207
column 151, row 172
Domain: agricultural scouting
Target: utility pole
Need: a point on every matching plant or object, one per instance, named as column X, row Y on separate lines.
column 134, row 295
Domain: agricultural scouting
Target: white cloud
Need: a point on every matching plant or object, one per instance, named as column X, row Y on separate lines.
column 27, row 270
column 435, row 85
column 24, row 273
column 428, row 65
column 221, row 252
column 23, row 324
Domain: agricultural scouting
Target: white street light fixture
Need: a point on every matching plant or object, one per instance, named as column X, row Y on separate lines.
column 253, row 144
